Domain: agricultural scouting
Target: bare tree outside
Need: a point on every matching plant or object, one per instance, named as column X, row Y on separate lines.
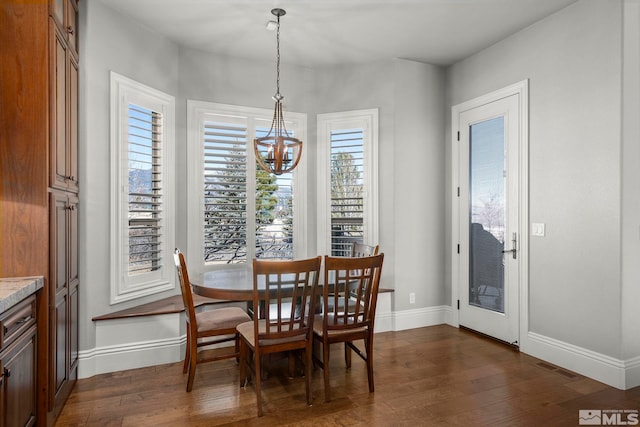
column 491, row 215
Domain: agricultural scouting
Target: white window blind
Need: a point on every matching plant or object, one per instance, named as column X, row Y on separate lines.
column 236, row 211
column 226, row 213
column 142, row 190
column 347, row 180
column 145, row 189
column 225, row 192
column 347, row 190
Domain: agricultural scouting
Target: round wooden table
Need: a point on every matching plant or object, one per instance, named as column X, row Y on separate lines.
column 232, row 284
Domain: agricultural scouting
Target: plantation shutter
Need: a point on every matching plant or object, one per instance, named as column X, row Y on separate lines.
column 347, row 190
column 225, row 192
column 145, row 200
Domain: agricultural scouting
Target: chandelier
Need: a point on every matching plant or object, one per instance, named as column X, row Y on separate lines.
column 278, row 152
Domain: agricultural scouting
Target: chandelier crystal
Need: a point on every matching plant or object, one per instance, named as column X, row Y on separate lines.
column 278, row 152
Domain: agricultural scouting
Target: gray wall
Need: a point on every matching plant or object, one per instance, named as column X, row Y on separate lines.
column 109, row 41
column 419, row 185
column 630, row 180
column 573, row 62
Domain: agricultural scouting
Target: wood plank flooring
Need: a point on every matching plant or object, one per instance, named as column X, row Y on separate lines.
column 436, row 376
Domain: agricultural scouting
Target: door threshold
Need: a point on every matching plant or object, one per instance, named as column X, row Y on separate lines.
column 515, row 346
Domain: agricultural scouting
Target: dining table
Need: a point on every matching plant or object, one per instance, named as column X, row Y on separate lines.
column 231, row 284
column 235, row 284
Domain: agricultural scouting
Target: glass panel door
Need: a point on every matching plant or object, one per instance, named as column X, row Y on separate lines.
column 488, row 217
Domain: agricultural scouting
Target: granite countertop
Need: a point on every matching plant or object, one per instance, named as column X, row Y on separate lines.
column 13, row 290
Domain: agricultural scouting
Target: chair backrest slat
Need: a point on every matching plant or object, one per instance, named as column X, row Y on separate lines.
column 352, row 283
column 284, row 294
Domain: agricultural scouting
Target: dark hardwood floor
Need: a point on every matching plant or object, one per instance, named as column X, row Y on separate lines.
column 436, row 376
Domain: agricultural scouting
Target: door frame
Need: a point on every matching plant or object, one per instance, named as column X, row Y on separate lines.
column 522, row 90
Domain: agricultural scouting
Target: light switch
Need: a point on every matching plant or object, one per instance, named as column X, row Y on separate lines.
column 537, row 229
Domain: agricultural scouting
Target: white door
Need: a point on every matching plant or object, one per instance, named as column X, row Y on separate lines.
column 488, row 215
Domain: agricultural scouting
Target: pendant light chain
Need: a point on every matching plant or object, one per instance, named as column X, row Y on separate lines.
column 278, row 96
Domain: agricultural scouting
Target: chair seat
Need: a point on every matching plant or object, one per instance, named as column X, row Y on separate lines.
column 247, row 330
column 221, row 318
column 318, row 327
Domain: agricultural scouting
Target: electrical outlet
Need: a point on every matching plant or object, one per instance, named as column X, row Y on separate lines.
column 412, row 298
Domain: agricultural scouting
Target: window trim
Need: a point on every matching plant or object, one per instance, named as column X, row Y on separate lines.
column 123, row 92
column 196, row 114
column 368, row 121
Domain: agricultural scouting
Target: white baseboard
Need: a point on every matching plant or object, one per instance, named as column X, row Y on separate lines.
column 118, row 346
column 611, row 371
column 421, row 317
column 132, row 343
column 130, row 356
column 632, row 377
column 384, row 322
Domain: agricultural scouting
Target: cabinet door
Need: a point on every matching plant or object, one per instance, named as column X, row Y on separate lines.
column 72, row 131
column 19, row 381
column 64, row 114
column 74, row 281
column 58, row 160
column 60, row 209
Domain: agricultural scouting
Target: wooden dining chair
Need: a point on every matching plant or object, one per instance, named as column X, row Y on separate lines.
column 357, row 250
column 361, row 249
column 205, row 328
column 285, row 293
column 352, row 283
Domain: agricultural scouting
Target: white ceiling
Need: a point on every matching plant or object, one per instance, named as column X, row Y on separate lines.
column 328, row 32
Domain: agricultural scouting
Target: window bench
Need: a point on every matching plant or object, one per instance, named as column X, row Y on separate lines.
column 169, row 305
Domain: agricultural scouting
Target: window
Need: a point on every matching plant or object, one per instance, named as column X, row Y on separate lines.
column 142, row 150
column 347, row 180
column 236, row 210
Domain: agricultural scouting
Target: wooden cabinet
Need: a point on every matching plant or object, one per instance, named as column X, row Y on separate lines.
column 63, row 297
column 18, row 365
column 39, row 184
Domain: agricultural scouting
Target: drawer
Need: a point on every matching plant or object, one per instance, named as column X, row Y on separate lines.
column 17, row 320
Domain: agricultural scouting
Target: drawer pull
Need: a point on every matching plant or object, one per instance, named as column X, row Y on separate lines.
column 6, row 373
column 24, row 320
column 18, row 323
